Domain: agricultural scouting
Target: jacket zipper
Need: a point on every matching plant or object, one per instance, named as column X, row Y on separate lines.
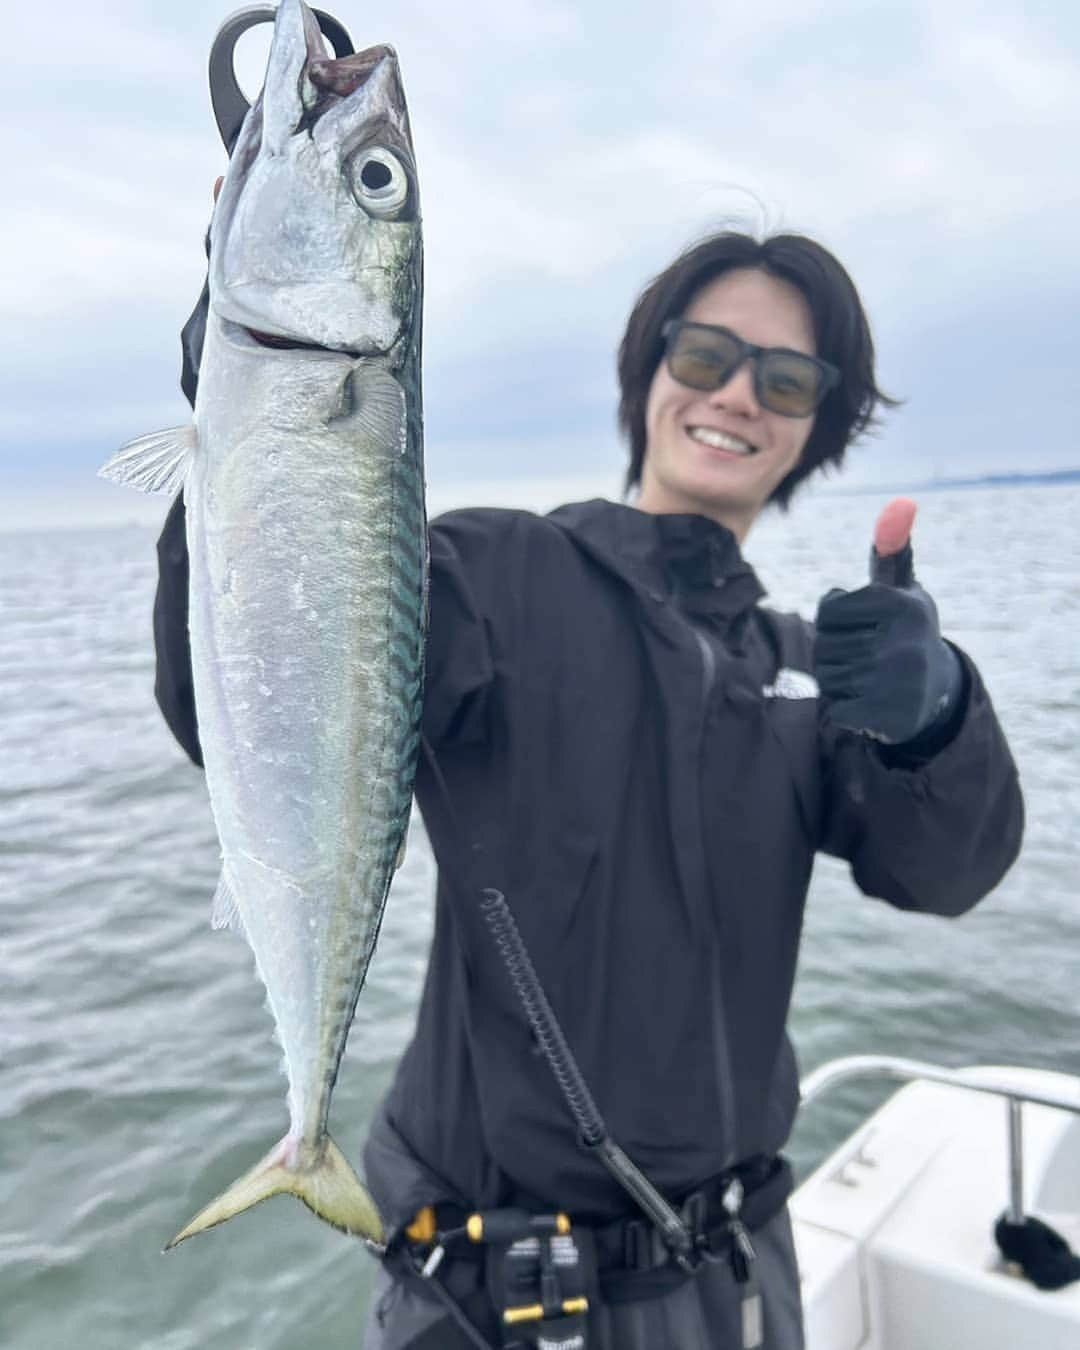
column 709, row 659
column 727, row 1080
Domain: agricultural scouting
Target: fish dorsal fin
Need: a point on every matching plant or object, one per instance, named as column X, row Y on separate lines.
column 158, row 462
column 225, row 913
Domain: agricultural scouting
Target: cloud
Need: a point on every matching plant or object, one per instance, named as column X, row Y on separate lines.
column 565, row 155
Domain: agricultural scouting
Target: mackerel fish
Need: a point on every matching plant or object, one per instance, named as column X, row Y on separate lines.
column 303, row 481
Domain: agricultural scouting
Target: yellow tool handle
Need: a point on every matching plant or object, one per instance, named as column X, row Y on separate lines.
column 534, row 1312
column 422, row 1228
column 508, row 1225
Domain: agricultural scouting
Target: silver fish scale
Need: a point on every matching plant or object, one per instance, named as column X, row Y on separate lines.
column 307, row 540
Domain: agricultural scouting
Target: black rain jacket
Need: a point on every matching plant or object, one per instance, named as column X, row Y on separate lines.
column 628, row 746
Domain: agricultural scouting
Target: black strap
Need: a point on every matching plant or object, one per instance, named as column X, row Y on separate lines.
column 632, row 1263
column 465, row 1312
column 635, row 1267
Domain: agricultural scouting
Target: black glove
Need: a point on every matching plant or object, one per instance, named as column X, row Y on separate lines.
column 881, row 664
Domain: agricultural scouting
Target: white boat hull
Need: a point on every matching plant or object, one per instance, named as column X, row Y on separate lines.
column 895, row 1231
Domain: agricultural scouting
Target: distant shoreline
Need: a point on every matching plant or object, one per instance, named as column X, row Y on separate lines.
column 989, row 480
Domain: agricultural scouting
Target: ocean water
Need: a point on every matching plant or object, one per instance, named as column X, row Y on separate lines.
column 137, row 1071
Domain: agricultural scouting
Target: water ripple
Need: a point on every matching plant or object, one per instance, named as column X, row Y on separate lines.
column 140, row 1073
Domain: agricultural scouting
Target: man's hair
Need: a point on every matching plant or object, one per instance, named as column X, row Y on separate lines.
column 841, row 334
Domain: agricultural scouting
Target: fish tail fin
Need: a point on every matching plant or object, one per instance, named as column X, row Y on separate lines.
column 320, row 1175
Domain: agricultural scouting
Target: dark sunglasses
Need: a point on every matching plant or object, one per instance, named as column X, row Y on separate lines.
column 703, row 356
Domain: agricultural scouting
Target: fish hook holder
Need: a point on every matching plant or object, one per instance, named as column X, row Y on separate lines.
column 229, row 103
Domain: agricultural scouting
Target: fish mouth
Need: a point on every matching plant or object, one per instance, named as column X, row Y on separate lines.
column 352, row 346
column 244, row 336
column 290, row 344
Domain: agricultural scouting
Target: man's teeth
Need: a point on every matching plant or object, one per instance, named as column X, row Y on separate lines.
column 718, row 440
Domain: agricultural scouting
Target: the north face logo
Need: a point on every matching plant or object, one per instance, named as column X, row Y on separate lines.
column 792, row 684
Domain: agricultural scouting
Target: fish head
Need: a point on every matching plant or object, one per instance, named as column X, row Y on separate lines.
column 316, row 238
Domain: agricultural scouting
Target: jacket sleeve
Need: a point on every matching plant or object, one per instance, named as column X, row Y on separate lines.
column 172, row 685
column 934, row 835
column 458, row 664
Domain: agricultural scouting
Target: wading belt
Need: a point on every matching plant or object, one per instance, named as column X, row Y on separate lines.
column 539, row 1269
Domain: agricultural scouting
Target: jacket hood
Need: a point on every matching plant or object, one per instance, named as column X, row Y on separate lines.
column 685, row 558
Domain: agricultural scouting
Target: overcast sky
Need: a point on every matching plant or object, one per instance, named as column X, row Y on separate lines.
column 566, row 152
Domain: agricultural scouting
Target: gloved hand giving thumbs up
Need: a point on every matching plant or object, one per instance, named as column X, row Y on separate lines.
column 880, row 662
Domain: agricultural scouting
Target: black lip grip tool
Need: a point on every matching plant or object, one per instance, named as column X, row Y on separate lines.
column 228, row 99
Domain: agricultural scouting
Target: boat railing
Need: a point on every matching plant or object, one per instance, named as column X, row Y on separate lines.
column 995, row 1082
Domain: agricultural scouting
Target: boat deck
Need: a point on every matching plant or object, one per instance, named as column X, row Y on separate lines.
column 895, row 1230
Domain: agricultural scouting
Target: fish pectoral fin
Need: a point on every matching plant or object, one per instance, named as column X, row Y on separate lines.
column 319, row 1175
column 158, row 462
column 374, row 403
column 224, row 911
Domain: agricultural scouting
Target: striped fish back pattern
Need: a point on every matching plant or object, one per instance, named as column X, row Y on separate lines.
column 403, row 629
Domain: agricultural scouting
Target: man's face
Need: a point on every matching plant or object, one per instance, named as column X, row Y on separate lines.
column 721, row 454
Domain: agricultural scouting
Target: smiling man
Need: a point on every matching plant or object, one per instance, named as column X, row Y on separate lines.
column 644, row 760
column 731, row 408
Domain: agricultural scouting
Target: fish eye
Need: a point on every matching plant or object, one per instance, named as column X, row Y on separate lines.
column 379, row 182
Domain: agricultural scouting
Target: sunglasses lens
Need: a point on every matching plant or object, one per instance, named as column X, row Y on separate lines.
column 789, row 384
column 701, row 359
